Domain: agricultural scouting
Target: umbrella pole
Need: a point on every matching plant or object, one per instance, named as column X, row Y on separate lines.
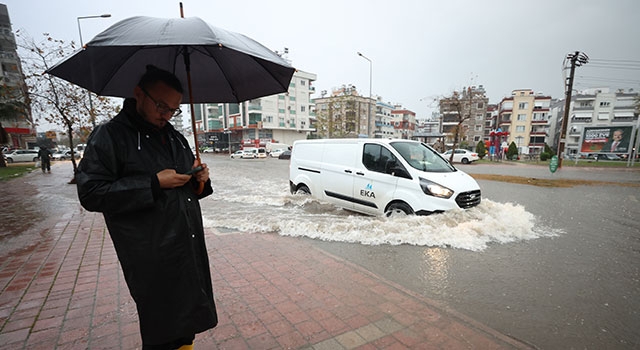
column 187, row 64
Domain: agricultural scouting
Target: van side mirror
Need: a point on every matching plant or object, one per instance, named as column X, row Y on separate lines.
column 395, row 169
column 401, row 172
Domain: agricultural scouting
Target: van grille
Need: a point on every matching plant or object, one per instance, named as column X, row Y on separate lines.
column 469, row 199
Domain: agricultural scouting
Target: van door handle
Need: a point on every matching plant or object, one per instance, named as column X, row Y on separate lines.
column 360, row 173
column 348, row 171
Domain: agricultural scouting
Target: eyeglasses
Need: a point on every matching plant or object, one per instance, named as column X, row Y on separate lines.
column 161, row 107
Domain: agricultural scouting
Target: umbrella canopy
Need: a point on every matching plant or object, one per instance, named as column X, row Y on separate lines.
column 223, row 66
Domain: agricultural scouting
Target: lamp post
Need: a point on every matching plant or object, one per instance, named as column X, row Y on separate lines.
column 369, row 103
column 106, row 15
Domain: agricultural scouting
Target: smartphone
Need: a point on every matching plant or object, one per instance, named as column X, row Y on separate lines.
column 194, row 170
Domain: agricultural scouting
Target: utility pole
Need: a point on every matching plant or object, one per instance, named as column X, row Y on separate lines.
column 577, row 59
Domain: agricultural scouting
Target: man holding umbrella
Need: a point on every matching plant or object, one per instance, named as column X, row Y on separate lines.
column 139, row 172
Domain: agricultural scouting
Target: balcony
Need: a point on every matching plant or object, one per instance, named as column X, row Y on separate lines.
column 255, row 107
column 538, row 133
column 539, row 121
column 623, row 119
column 581, row 119
column 583, row 108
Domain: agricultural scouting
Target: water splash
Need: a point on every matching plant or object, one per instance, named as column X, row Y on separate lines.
column 295, row 215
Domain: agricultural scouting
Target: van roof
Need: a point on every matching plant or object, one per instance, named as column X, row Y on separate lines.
column 355, row 140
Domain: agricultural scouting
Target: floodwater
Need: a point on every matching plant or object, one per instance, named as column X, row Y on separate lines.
column 253, row 196
column 558, row 268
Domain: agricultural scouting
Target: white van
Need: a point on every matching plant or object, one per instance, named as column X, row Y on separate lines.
column 380, row 176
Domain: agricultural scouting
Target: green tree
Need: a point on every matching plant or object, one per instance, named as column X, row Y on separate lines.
column 481, row 149
column 512, row 152
column 57, row 101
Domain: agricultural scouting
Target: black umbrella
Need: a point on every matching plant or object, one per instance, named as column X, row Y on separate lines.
column 218, row 66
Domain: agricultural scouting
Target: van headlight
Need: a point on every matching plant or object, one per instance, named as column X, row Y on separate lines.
column 433, row 189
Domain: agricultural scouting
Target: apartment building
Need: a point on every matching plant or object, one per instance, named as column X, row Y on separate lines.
column 404, row 123
column 595, row 114
column 525, row 116
column 345, row 113
column 20, row 128
column 467, row 109
column 384, row 126
column 282, row 118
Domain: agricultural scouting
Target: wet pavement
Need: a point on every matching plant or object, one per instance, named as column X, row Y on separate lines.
column 61, row 288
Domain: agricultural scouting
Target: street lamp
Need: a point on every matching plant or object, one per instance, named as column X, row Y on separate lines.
column 106, row 15
column 369, row 103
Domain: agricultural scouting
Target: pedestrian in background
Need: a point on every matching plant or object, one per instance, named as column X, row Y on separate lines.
column 45, row 159
column 133, row 171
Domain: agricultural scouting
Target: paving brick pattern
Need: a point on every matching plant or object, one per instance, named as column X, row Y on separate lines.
column 66, row 291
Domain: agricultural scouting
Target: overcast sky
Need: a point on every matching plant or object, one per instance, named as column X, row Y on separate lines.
column 420, row 49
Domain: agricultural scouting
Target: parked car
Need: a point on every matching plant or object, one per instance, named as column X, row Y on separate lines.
column 608, row 156
column 461, row 156
column 276, row 153
column 285, row 155
column 206, row 150
column 64, row 155
column 245, row 154
column 21, row 155
column 237, row 154
column 249, row 154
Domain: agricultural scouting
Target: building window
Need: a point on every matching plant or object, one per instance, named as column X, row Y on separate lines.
column 522, row 117
column 302, row 108
column 523, row 105
column 478, row 117
column 520, row 128
column 605, row 104
column 478, row 127
column 302, row 83
column 480, row 105
column 476, row 138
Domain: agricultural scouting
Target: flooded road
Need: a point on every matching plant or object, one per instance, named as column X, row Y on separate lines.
column 554, row 267
column 558, row 268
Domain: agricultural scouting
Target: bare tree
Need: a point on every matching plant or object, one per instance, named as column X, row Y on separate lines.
column 453, row 110
column 459, row 108
column 57, row 101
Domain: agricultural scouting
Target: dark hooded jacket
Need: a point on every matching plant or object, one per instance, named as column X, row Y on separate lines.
column 157, row 233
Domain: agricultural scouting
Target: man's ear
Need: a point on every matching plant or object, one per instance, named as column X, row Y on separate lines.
column 137, row 92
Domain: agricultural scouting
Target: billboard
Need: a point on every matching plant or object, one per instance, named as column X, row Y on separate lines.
column 606, row 139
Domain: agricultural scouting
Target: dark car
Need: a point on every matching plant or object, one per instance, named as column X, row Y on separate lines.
column 285, row 155
column 608, row 156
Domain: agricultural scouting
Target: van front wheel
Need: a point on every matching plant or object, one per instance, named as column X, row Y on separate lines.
column 398, row 209
column 303, row 190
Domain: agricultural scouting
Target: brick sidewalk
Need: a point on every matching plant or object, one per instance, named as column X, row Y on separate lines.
column 66, row 291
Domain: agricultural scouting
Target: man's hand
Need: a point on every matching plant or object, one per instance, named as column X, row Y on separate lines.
column 168, row 178
column 202, row 175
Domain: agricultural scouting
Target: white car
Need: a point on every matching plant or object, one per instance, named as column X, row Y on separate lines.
column 276, row 153
column 244, row 154
column 461, row 156
column 22, row 155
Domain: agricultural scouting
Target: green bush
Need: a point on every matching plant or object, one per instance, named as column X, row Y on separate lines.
column 481, row 149
column 512, row 152
column 545, row 156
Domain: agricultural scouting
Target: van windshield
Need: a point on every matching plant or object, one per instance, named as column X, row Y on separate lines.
column 422, row 157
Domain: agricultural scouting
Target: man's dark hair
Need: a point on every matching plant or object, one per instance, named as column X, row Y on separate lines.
column 155, row 74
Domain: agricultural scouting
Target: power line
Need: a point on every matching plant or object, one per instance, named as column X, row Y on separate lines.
column 612, row 60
